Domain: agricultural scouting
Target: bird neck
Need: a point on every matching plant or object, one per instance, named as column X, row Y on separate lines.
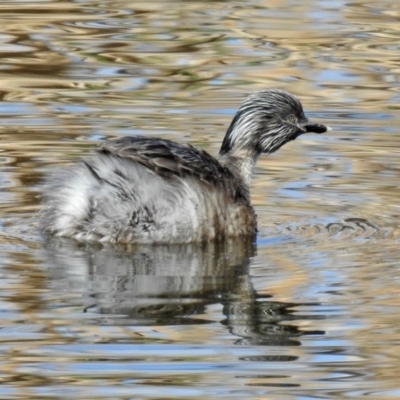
column 241, row 163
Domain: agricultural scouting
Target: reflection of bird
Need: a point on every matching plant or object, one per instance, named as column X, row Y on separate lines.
column 146, row 190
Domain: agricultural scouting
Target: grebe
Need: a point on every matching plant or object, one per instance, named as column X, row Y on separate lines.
column 148, row 190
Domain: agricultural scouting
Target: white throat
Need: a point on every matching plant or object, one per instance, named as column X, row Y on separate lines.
column 242, row 163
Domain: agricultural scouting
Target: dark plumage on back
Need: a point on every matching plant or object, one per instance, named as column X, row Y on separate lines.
column 147, row 190
column 166, row 157
column 171, row 160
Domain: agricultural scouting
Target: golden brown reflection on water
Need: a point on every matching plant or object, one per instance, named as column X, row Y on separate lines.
column 312, row 311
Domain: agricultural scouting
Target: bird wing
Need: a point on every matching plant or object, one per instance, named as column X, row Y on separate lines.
column 168, row 159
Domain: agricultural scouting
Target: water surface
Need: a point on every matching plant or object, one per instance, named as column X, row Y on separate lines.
column 311, row 310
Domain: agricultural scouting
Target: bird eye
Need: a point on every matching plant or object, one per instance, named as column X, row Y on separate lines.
column 292, row 119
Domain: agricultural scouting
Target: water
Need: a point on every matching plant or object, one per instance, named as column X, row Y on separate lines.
column 310, row 311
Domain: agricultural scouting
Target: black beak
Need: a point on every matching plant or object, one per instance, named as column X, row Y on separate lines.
column 316, row 128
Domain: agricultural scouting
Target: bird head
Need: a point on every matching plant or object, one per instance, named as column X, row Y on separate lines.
column 265, row 121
